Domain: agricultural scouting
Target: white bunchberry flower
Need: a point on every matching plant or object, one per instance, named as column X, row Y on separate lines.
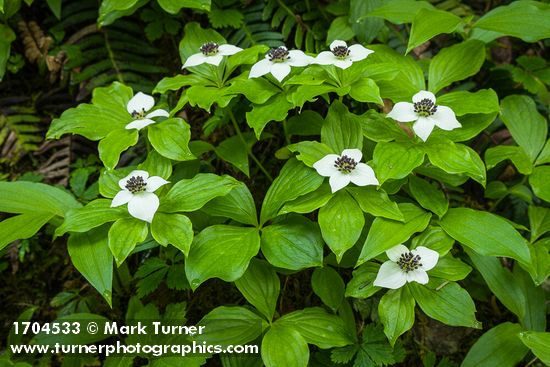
column 278, row 62
column 341, row 55
column 138, row 107
column 426, row 113
column 211, row 53
column 345, row 168
column 406, row 266
column 137, row 191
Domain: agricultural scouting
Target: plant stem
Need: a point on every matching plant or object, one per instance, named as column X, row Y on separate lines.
column 248, row 149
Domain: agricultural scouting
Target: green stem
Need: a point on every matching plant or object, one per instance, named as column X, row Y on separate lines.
column 248, row 150
column 285, row 129
column 112, row 58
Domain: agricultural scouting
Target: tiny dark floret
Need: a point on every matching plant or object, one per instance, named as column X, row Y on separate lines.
column 345, row 164
column 340, row 52
column 425, row 107
column 278, row 54
column 209, row 48
column 409, row 262
column 139, row 115
column 136, row 184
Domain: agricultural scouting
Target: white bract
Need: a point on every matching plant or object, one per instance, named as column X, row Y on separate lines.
column 138, row 107
column 137, row 191
column 211, row 53
column 426, row 113
column 406, row 266
column 341, row 55
column 345, row 168
column 278, row 62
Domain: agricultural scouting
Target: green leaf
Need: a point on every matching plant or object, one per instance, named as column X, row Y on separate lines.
column 111, row 10
column 205, row 96
column 124, row 235
column 539, row 221
column 294, row 243
column 91, row 256
column 235, row 151
column 176, row 82
column 171, row 139
column 517, row 155
column 341, row 129
column 376, row 202
column 94, row 214
column 386, row 233
column 157, row 165
column 399, row 77
column 329, row 286
column 396, row 160
column 400, row 11
column 275, row 109
column 377, row 127
column 260, row 285
column 544, row 156
column 428, row 23
column 450, row 268
column 472, row 126
column 308, row 202
column 341, row 221
column 428, row 196
column 256, row 90
column 7, row 36
column 500, row 346
column 173, row 229
column 365, row 90
column 455, row 159
column 540, row 183
column 530, row 27
column 436, row 239
column 340, row 29
column 295, row 180
column 282, row 345
column 229, row 325
column 22, row 226
column 527, row 126
column 188, row 195
column 505, row 286
column 464, row 102
column 539, row 343
column 116, row 142
column 360, row 285
column 55, row 7
column 174, row 6
column 449, row 303
column 455, row 63
column 318, row 327
column 95, row 121
column 396, row 311
column 469, row 227
column 229, row 247
column 31, row 197
column 238, row 205
column 310, row 151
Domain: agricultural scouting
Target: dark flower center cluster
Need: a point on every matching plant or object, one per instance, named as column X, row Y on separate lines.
column 136, row 184
column 345, row 164
column 209, row 48
column 278, row 54
column 408, row 262
column 139, row 115
column 340, row 52
column 425, row 107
